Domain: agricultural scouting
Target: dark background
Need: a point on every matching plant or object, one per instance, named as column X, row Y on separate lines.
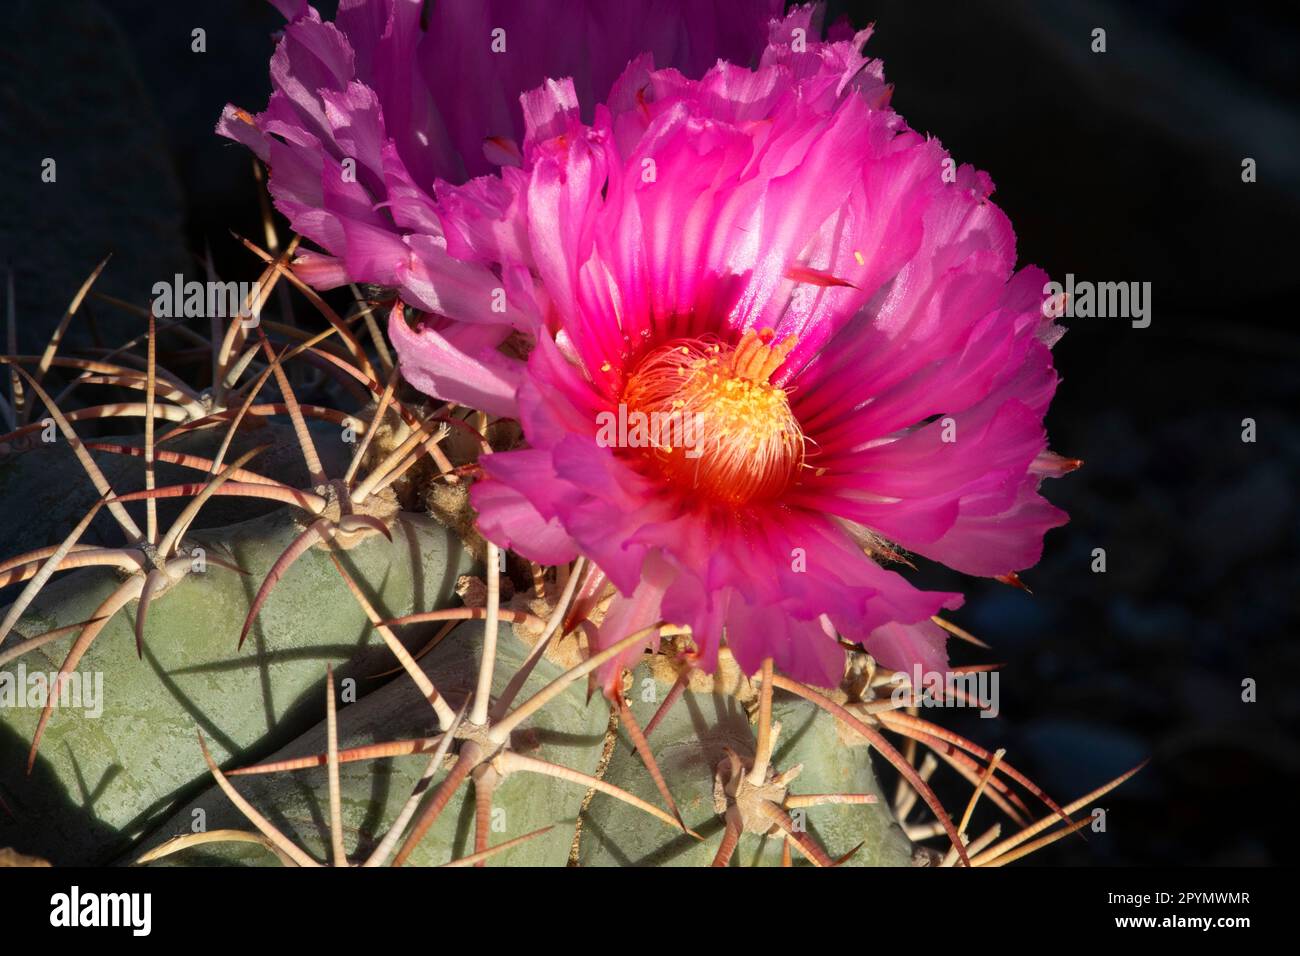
column 1122, row 166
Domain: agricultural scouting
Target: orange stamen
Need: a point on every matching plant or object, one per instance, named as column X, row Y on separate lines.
column 741, row 441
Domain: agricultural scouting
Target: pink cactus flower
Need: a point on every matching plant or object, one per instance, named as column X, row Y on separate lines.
column 370, row 113
column 821, row 299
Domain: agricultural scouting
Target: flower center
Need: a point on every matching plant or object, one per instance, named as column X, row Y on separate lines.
column 731, row 434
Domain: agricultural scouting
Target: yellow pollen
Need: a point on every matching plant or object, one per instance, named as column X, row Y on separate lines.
column 736, row 438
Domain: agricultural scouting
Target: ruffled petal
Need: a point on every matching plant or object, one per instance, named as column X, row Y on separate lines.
column 457, row 363
column 508, row 519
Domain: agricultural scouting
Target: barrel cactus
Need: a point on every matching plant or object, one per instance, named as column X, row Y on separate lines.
column 299, row 592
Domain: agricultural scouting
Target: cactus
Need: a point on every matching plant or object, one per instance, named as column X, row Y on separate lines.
column 818, row 781
column 567, row 731
column 162, row 621
column 234, row 561
column 138, row 756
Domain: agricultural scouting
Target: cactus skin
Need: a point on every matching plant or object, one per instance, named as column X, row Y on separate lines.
column 689, row 743
column 98, row 783
column 570, row 730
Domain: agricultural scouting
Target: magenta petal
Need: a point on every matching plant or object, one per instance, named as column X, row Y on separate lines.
column 238, row 125
column 903, row 647
column 320, row 272
column 548, row 110
column 627, row 615
column 801, row 649
column 456, row 365
column 507, row 519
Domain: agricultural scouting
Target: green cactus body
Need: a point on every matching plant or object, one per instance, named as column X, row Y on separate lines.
column 568, row 731
column 100, row 782
column 689, row 744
